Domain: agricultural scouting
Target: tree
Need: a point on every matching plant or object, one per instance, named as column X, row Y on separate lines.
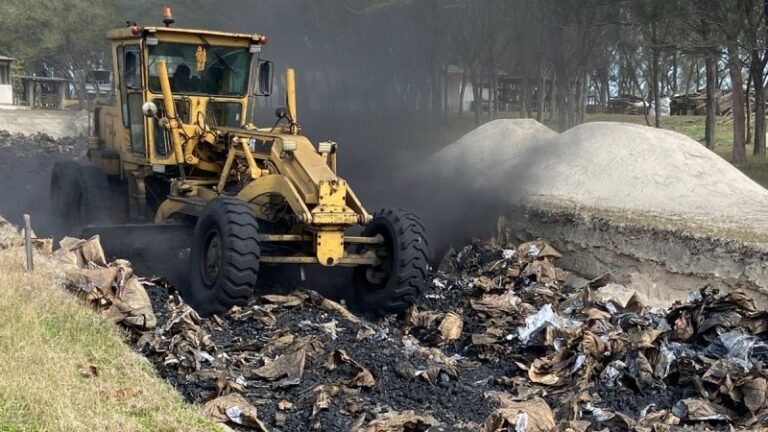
column 754, row 41
column 730, row 17
column 73, row 38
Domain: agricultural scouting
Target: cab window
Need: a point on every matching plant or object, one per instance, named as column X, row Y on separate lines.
column 131, row 99
column 201, row 69
column 162, row 140
column 227, row 114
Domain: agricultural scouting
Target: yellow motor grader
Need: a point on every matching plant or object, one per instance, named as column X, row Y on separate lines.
column 177, row 142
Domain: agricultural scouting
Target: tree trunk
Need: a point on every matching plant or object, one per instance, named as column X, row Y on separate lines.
column 572, row 105
column 82, row 90
column 578, row 92
column 477, row 96
column 493, row 95
column 462, row 90
column 540, row 93
column 655, row 74
column 674, row 73
column 525, row 108
column 434, row 66
column 605, row 89
column 689, row 77
column 748, row 129
column 562, row 99
column 756, row 74
column 709, row 128
column 739, row 155
column 553, row 97
column 445, row 93
column 581, row 100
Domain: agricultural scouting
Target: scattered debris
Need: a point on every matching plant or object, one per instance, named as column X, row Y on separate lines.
column 532, row 415
column 500, row 344
column 362, row 378
column 233, row 408
column 29, row 146
column 110, row 287
column 407, row 421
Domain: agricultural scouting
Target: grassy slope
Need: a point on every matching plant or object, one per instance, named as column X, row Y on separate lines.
column 692, row 126
column 48, row 339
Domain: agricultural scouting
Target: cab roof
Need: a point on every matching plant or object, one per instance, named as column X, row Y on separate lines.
column 130, row 33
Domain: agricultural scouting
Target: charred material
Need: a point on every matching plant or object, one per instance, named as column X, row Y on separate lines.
column 499, row 342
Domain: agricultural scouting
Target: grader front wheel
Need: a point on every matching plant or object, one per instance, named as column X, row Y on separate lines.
column 225, row 257
column 394, row 285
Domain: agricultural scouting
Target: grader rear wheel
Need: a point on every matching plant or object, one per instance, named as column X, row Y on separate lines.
column 224, row 263
column 394, row 285
column 65, row 195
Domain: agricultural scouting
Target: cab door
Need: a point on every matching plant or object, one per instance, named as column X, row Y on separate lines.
column 132, row 96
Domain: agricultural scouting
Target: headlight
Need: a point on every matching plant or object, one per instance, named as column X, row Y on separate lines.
column 325, row 146
column 289, row 146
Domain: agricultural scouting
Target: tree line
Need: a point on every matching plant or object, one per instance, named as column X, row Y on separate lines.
column 393, row 55
column 602, row 49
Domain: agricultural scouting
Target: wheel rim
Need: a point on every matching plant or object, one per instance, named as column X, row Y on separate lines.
column 379, row 275
column 211, row 258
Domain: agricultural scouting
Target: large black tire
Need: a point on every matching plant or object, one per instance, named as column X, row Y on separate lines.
column 399, row 280
column 225, row 257
column 80, row 196
column 96, row 198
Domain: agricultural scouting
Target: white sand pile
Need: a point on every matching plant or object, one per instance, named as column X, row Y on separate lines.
column 460, row 190
column 484, row 156
column 625, row 166
column 613, row 166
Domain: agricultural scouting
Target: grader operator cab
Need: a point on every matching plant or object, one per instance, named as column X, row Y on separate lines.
column 178, row 146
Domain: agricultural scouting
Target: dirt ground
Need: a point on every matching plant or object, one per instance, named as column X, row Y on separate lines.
column 457, row 401
column 57, row 124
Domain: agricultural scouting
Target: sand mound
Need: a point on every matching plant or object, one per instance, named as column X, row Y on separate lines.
column 614, row 166
column 485, row 156
column 459, row 189
column 624, row 166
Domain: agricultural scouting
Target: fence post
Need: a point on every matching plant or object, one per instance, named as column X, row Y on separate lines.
column 28, row 242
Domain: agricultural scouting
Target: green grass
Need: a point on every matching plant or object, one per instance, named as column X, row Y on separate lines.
column 692, row 126
column 48, row 338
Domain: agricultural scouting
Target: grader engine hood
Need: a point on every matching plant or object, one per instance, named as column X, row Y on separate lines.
column 298, row 170
column 302, row 175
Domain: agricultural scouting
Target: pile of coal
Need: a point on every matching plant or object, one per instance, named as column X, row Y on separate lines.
column 20, row 145
column 498, row 343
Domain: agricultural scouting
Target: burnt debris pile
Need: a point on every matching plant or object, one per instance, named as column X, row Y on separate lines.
column 20, row 145
column 500, row 342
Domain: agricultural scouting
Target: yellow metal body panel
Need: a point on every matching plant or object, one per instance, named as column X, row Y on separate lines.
column 169, row 208
column 330, row 247
column 108, row 161
column 332, row 207
column 186, row 35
